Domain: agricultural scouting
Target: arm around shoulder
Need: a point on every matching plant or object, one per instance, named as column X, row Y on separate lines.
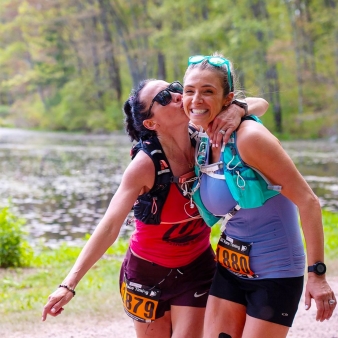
column 257, row 106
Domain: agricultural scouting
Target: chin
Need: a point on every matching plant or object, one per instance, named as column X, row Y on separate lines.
column 199, row 121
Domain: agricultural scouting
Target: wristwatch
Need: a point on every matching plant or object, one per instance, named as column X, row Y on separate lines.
column 242, row 104
column 319, row 268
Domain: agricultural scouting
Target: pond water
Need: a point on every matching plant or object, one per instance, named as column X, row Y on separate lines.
column 62, row 183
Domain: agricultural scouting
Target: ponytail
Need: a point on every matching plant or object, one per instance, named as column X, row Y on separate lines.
column 134, row 111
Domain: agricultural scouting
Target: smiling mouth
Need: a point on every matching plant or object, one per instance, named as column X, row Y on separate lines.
column 198, row 111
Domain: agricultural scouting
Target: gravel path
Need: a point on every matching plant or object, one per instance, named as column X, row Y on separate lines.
column 121, row 326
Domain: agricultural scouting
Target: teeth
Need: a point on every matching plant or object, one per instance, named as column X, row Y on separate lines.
column 198, row 111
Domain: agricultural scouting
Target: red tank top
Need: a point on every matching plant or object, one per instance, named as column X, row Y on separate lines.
column 180, row 238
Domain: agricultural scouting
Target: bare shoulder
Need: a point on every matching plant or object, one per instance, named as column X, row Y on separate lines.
column 251, row 129
column 141, row 171
column 255, row 141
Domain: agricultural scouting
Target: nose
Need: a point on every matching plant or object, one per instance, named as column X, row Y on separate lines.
column 197, row 98
column 176, row 97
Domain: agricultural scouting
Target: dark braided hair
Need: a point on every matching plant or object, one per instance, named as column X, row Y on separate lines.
column 134, row 111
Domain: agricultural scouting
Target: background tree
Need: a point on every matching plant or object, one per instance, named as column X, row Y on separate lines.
column 69, row 64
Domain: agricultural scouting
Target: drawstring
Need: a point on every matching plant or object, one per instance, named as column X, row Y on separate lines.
column 189, row 192
column 239, row 177
column 154, row 206
column 171, row 270
column 228, row 164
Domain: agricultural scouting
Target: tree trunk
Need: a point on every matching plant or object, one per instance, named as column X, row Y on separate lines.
column 136, row 56
column 270, row 74
column 113, row 67
column 291, row 9
column 161, row 74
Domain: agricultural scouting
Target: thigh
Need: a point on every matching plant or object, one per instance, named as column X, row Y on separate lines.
column 192, row 282
column 146, row 275
column 160, row 328
column 224, row 316
column 257, row 328
column 187, row 321
column 274, row 300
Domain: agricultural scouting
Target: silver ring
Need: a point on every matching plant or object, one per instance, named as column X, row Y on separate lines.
column 332, row 301
column 222, row 132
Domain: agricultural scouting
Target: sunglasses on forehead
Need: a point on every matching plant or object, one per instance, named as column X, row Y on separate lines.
column 164, row 97
column 216, row 61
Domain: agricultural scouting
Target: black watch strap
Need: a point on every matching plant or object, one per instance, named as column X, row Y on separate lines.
column 242, row 104
column 319, row 268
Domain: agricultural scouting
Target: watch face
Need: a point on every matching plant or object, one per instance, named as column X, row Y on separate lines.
column 321, row 268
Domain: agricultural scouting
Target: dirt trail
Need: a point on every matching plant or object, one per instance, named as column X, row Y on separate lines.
column 121, row 326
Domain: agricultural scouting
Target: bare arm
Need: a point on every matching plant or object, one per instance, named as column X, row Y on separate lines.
column 268, row 156
column 257, row 106
column 229, row 119
column 106, row 231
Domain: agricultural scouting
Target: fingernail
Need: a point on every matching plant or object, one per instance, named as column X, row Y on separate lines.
column 53, row 310
column 306, row 307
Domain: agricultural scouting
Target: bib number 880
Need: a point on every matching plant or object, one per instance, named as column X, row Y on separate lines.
column 233, row 261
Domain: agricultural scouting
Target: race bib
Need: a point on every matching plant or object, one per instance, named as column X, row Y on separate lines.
column 233, row 254
column 139, row 301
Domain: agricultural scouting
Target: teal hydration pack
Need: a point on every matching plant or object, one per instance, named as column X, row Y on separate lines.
column 249, row 187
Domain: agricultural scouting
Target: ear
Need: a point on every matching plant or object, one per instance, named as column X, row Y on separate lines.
column 228, row 99
column 149, row 124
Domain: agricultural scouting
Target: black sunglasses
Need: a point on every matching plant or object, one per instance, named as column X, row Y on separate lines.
column 164, row 97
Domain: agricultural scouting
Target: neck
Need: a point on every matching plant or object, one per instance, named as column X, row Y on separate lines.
column 178, row 149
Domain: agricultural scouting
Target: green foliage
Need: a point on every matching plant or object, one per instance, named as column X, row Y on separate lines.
column 4, row 110
column 14, row 249
column 330, row 221
column 119, row 248
column 46, row 257
column 25, row 289
column 65, row 66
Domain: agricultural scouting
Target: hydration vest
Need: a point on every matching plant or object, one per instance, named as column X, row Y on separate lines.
column 148, row 207
column 248, row 186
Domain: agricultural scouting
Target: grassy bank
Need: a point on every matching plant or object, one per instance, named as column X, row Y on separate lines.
column 24, row 291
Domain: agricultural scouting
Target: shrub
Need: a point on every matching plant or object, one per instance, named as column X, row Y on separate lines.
column 15, row 251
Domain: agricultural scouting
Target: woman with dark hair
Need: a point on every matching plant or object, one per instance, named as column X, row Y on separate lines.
column 252, row 183
column 167, row 271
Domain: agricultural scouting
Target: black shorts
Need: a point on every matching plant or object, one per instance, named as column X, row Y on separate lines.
column 182, row 286
column 273, row 299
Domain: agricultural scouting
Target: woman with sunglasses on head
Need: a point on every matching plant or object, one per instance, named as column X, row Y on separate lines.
column 260, row 257
column 167, row 271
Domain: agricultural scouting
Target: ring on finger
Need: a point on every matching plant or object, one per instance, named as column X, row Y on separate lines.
column 222, row 131
column 332, row 301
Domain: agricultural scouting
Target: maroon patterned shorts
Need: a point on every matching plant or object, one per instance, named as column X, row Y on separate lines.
column 182, row 286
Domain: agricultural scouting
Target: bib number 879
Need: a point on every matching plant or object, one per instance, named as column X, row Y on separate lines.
column 139, row 306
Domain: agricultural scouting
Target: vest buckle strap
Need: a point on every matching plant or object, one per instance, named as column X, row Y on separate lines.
column 229, row 215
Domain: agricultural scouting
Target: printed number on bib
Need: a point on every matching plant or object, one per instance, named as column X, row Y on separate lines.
column 139, row 301
column 234, row 256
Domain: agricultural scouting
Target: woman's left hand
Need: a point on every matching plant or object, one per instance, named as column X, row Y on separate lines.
column 224, row 124
column 318, row 289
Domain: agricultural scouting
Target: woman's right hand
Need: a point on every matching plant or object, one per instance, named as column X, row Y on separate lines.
column 56, row 301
